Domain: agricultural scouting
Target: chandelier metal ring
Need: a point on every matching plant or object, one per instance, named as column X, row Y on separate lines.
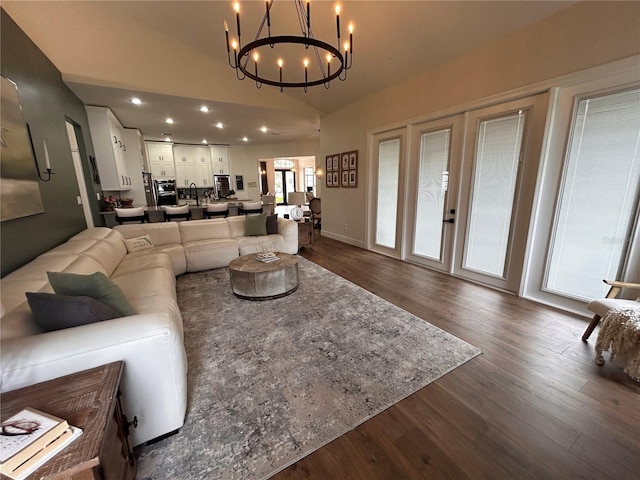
column 246, row 50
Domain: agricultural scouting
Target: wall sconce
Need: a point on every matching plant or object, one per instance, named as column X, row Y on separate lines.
column 47, row 163
column 318, row 172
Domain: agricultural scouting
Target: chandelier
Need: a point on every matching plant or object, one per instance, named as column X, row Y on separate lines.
column 276, row 48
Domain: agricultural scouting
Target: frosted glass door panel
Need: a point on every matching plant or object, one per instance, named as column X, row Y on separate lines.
column 496, row 160
column 433, row 179
column 598, row 202
column 387, row 201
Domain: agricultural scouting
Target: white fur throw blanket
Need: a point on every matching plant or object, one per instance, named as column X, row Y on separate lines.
column 620, row 332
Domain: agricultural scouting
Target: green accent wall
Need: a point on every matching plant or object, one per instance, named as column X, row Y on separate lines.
column 47, row 103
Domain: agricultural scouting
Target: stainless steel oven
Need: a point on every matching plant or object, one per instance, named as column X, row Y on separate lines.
column 166, row 192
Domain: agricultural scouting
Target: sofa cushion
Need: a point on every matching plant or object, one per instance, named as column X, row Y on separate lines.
column 266, row 243
column 255, row 225
column 161, row 233
column 97, row 285
column 207, row 254
column 55, row 312
column 138, row 244
column 272, row 224
column 214, row 229
column 85, row 265
column 108, row 251
column 145, row 260
column 236, row 225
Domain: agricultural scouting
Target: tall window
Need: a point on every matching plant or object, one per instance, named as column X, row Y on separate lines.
column 309, row 179
column 598, row 201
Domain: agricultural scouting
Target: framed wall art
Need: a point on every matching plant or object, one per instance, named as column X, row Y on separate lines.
column 345, row 178
column 20, row 194
column 333, row 170
column 349, row 164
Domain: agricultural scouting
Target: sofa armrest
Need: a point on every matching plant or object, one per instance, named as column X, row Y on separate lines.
column 154, row 383
column 289, row 231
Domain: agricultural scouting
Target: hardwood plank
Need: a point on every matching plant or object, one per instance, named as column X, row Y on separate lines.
column 533, row 405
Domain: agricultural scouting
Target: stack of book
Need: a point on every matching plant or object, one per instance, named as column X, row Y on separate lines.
column 267, row 257
column 29, row 439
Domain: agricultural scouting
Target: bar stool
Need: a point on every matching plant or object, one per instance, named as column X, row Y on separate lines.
column 178, row 213
column 131, row 215
column 217, row 210
column 249, row 208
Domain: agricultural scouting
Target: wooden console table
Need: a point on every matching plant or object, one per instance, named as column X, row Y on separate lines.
column 88, row 400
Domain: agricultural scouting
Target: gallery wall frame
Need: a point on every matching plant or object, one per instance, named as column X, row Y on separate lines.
column 333, row 170
column 349, row 164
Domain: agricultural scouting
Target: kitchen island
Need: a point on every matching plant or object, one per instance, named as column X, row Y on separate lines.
column 156, row 213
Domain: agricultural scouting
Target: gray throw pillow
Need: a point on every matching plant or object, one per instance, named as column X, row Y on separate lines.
column 55, row 312
column 97, row 285
column 255, row 225
column 272, row 224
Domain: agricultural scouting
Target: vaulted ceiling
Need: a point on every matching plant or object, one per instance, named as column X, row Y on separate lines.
column 172, row 55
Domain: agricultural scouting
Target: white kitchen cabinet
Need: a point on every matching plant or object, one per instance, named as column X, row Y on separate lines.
column 204, row 175
column 160, row 157
column 135, row 150
column 220, row 160
column 109, row 146
column 185, row 175
column 184, row 155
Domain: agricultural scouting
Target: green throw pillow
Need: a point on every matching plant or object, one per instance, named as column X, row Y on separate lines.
column 255, row 225
column 97, row 285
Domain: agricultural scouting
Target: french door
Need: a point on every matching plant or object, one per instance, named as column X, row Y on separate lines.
column 285, row 182
column 470, row 180
column 499, row 173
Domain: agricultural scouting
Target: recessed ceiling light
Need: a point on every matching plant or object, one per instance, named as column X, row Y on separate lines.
column 245, row 139
column 204, row 109
column 219, row 125
column 204, row 140
column 136, row 101
column 264, row 129
column 168, row 139
column 169, row 120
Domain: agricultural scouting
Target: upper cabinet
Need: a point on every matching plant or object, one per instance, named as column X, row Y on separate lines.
column 107, row 135
column 220, row 160
column 160, row 158
column 135, row 150
column 193, row 165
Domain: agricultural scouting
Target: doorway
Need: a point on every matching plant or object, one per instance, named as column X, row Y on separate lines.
column 79, row 171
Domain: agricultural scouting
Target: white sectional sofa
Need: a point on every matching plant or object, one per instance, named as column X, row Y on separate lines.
column 150, row 343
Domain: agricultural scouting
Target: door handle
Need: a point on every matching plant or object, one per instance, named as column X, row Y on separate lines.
column 448, row 220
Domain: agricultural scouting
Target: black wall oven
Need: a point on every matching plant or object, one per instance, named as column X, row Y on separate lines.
column 166, row 192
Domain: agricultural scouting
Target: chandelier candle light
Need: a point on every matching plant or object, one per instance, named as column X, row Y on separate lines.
column 313, row 75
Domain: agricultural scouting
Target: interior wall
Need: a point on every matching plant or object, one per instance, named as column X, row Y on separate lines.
column 585, row 35
column 46, row 103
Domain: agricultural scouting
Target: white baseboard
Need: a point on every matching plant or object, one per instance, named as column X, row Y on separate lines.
column 344, row 239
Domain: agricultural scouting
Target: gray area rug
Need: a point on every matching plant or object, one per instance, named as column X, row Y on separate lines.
column 270, row 382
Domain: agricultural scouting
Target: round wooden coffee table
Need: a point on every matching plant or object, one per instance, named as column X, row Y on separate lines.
column 252, row 279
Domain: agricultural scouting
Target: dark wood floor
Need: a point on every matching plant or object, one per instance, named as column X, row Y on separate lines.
column 533, row 406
